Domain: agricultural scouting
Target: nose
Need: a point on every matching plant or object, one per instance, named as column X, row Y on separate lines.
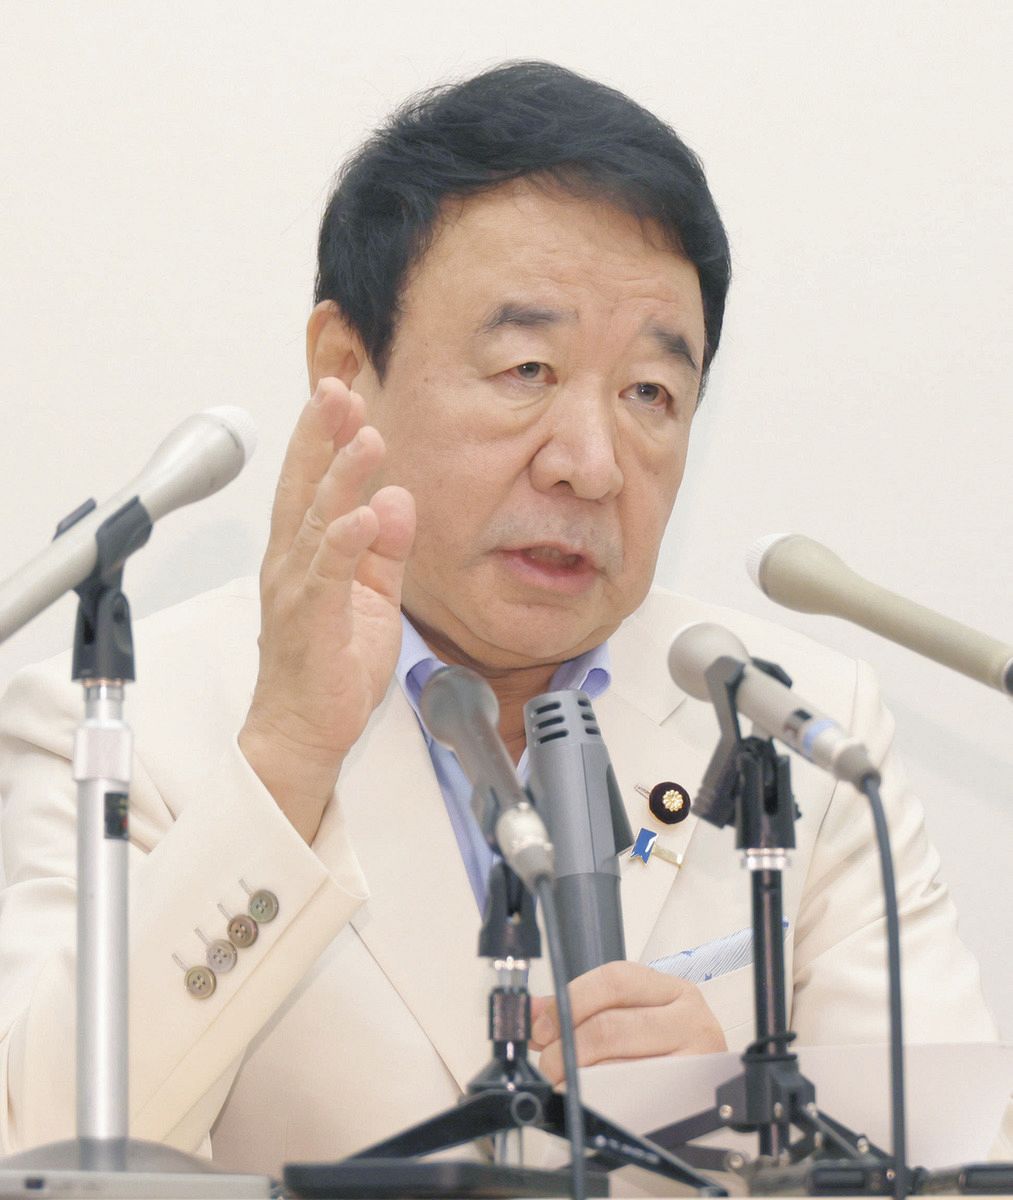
column 579, row 447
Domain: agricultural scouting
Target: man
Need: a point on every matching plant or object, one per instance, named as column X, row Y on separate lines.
column 520, row 291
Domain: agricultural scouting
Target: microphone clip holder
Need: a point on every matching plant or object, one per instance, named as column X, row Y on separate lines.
column 746, row 766
column 103, row 640
column 748, row 784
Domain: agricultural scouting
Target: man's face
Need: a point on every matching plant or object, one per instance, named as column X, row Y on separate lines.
column 537, row 403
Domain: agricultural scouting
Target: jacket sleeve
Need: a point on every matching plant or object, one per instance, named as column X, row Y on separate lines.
column 191, row 869
column 840, row 978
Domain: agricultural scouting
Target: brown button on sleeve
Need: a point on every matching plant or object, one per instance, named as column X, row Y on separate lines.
column 242, row 931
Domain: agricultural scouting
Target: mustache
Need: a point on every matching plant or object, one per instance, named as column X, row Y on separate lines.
column 602, row 545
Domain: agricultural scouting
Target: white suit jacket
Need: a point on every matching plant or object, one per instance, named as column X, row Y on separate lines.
column 361, row 1007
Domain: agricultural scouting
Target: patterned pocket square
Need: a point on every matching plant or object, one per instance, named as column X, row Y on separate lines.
column 711, row 959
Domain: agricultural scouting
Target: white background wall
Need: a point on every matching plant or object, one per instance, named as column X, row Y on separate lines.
column 163, row 169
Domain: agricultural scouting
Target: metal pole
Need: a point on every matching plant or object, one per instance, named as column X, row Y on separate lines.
column 102, row 752
column 508, row 1030
column 768, row 955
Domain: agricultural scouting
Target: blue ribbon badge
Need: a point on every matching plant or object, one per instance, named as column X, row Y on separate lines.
column 644, row 844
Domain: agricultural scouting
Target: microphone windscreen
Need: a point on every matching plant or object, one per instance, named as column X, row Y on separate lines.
column 800, row 573
column 694, row 649
column 757, row 552
column 239, row 423
column 450, row 699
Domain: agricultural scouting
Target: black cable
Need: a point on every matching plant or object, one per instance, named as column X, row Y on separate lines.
column 572, row 1107
column 870, row 786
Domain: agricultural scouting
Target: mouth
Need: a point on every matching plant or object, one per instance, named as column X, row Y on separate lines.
column 553, row 567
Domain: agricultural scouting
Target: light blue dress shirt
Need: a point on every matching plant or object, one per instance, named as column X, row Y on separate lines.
column 589, row 672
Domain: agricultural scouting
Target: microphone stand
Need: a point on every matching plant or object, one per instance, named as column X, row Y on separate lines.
column 508, row 1095
column 103, row 1159
column 749, row 784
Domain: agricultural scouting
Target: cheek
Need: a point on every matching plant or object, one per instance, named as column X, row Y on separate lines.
column 648, row 500
column 454, row 504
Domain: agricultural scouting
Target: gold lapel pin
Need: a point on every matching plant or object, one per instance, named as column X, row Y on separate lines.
column 669, row 802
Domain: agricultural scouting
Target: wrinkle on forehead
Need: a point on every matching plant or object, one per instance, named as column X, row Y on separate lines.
column 570, row 252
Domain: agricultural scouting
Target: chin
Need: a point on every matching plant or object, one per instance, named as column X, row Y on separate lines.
column 528, row 642
column 487, row 628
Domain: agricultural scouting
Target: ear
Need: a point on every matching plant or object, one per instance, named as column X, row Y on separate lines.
column 332, row 347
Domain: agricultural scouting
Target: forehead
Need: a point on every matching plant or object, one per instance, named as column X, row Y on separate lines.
column 549, row 246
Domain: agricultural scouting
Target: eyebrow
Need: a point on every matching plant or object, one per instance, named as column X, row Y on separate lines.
column 673, row 344
column 531, row 316
column 523, row 316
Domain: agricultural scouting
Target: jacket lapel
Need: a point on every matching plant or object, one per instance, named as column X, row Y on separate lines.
column 641, row 721
column 641, row 757
column 421, row 922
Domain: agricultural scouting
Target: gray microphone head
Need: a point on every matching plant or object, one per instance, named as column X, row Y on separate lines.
column 238, row 422
column 450, row 697
column 695, row 648
column 199, row 457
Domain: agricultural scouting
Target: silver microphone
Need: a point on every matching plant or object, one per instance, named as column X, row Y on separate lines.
column 804, row 575
column 199, row 457
column 775, row 709
column 460, row 710
column 575, row 790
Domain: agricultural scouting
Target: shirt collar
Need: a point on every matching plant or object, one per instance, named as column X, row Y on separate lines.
column 590, row 672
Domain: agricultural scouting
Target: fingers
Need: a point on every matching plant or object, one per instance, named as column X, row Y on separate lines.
column 328, row 422
column 337, row 539
column 330, row 594
column 627, row 1033
column 382, row 566
column 623, row 985
column 540, row 1004
column 614, row 985
column 368, row 546
column 626, row 1010
column 618, row 1033
column 341, row 544
column 339, row 491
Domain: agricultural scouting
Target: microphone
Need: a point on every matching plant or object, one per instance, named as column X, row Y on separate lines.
column 461, row 712
column 575, row 790
column 772, row 706
column 802, row 574
column 199, row 457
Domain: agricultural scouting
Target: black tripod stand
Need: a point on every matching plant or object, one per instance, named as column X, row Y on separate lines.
column 505, row 1097
column 749, row 784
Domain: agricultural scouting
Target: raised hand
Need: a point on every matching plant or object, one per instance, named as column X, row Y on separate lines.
column 330, row 588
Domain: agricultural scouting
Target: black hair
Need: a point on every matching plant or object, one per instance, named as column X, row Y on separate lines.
column 516, row 120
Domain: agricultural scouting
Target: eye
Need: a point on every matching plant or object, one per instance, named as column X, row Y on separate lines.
column 530, row 372
column 651, row 395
